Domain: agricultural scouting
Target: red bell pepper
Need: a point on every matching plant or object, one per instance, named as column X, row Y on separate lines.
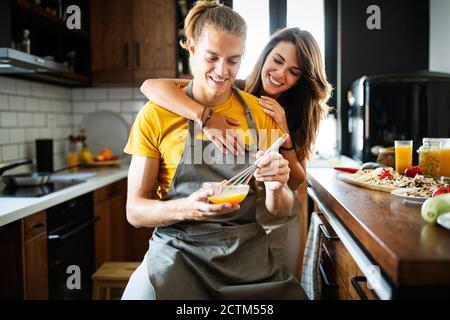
column 441, row 190
column 345, row 169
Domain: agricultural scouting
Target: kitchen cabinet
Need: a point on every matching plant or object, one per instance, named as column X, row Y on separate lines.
column 111, row 41
column 115, row 238
column 132, row 41
column 341, row 277
column 379, row 238
column 23, row 245
column 49, row 39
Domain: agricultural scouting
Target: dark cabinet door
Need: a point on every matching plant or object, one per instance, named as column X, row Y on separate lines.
column 111, row 42
column 154, row 39
column 36, row 270
column 102, row 233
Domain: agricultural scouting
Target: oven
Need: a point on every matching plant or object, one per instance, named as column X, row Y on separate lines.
column 71, row 249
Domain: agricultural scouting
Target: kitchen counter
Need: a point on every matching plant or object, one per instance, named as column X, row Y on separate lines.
column 14, row 208
column 407, row 249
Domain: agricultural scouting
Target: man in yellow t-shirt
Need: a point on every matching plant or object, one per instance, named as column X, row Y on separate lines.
column 201, row 250
column 160, row 134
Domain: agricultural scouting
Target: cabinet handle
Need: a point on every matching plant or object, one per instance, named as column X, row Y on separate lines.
column 359, row 290
column 325, row 277
column 38, row 225
column 112, row 191
column 136, row 49
column 326, row 234
column 125, row 54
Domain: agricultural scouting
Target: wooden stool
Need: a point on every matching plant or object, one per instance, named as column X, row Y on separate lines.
column 112, row 275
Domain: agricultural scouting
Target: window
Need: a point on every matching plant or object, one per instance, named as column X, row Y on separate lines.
column 308, row 15
column 256, row 14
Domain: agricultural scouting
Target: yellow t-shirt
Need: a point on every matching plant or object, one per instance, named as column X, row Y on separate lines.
column 160, row 134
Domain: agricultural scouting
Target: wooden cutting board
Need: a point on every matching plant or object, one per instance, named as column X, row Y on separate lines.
column 348, row 177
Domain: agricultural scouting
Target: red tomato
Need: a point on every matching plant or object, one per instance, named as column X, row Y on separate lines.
column 441, row 190
column 413, row 171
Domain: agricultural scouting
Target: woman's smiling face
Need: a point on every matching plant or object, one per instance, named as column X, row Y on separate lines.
column 281, row 70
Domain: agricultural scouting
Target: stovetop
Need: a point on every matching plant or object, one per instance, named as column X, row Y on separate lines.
column 39, row 191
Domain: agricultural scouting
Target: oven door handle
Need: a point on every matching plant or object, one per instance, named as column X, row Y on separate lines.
column 73, row 232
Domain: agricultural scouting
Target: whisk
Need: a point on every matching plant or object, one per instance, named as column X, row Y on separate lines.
column 245, row 176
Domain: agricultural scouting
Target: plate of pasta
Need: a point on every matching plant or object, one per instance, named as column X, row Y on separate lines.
column 414, row 195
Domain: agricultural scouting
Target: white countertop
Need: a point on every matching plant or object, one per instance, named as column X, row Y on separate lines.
column 340, row 161
column 15, row 208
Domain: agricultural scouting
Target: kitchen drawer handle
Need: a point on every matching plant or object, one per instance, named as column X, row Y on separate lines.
column 125, row 54
column 326, row 234
column 359, row 290
column 138, row 56
column 325, row 277
column 38, row 225
column 112, row 191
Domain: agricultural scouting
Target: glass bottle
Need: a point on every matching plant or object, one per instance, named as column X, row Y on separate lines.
column 25, row 45
column 73, row 157
column 430, row 157
column 445, row 157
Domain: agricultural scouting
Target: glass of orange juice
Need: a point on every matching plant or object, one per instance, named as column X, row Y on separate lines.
column 233, row 194
column 445, row 157
column 73, row 159
column 403, row 155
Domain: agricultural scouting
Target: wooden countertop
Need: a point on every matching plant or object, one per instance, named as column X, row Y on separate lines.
column 408, row 250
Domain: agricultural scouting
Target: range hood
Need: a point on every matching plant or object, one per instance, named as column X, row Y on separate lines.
column 17, row 62
column 23, row 65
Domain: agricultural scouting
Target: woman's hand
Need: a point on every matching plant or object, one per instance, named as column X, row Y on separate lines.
column 273, row 170
column 220, row 131
column 199, row 209
column 276, row 111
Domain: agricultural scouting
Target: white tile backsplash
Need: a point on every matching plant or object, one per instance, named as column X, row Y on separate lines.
column 4, row 105
column 39, row 119
column 32, row 110
column 84, row 107
column 109, row 106
column 17, row 135
column 7, row 85
column 8, row 119
column 4, row 136
column 120, row 93
column 25, row 119
column 95, row 94
column 38, row 89
column 10, row 152
column 23, row 88
column 16, row 103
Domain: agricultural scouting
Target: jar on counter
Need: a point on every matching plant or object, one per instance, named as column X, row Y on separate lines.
column 445, row 157
column 430, row 157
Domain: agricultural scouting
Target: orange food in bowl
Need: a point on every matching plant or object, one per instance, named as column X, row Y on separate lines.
column 233, row 194
column 230, row 198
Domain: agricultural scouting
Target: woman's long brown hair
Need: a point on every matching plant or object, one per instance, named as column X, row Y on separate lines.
column 306, row 102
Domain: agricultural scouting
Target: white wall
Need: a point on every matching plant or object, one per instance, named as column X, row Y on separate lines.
column 440, row 35
column 31, row 110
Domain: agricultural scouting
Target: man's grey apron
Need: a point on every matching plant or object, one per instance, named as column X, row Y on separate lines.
column 225, row 257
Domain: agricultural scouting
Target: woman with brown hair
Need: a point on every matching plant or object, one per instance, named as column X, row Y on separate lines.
column 201, row 250
column 289, row 77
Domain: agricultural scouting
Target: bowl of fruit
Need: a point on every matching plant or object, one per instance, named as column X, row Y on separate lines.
column 105, row 158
